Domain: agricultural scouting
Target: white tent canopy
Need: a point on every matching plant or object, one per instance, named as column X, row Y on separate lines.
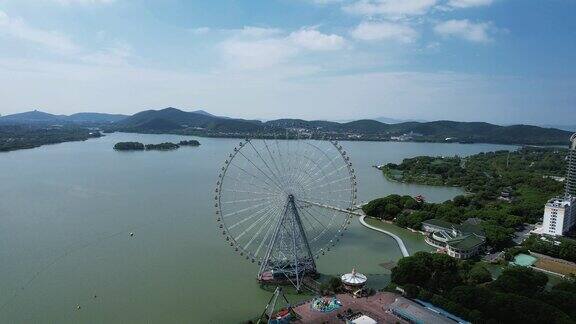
column 354, row 278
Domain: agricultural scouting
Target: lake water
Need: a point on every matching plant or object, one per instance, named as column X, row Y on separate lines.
column 66, row 212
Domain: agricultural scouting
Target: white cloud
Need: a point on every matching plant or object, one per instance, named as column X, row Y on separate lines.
column 325, row 2
column 17, row 28
column 465, row 29
column 83, row 2
column 314, row 40
column 256, row 32
column 55, row 42
column 254, row 54
column 111, row 56
column 376, row 31
column 469, row 3
column 255, row 48
column 390, row 8
column 200, row 30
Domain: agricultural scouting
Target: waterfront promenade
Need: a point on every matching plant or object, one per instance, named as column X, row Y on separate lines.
column 398, row 240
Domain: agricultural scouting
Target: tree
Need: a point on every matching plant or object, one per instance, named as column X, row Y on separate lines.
column 497, row 236
column 335, row 284
column 444, row 273
column 461, row 201
column 414, row 269
column 391, row 211
column 567, row 250
column 411, row 290
column 479, row 274
column 435, row 272
column 521, row 280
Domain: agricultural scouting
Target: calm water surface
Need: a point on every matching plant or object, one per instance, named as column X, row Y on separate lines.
column 66, row 211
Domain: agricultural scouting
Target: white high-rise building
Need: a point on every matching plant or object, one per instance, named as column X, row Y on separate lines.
column 559, row 216
column 560, row 213
column 571, row 172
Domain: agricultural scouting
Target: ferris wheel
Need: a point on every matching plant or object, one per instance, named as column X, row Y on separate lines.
column 283, row 203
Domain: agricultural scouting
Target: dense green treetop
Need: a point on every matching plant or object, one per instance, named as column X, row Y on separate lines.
column 189, row 143
column 525, row 174
column 129, row 146
column 162, row 146
column 466, row 289
column 559, row 247
column 16, row 137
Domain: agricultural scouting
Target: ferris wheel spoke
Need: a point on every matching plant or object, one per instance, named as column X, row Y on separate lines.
column 278, row 180
column 319, row 222
column 324, row 167
column 335, row 200
column 255, row 177
column 302, row 175
column 332, row 191
column 245, row 210
column 293, row 155
column 314, row 230
column 265, row 209
column 263, row 173
column 278, row 213
column 249, row 192
column 331, row 173
column 305, row 177
column 245, row 200
column 272, row 157
column 241, row 182
column 251, row 227
column 329, row 183
column 264, row 240
column 264, row 225
column 325, row 155
column 281, row 159
column 326, row 228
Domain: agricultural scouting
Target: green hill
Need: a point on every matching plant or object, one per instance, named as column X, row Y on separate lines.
column 172, row 119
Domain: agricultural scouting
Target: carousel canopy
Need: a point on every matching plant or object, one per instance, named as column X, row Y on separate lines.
column 354, row 278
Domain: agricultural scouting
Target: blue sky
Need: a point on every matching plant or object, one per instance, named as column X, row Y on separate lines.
column 502, row 61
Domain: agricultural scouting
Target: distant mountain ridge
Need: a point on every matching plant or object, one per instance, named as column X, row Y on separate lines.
column 200, row 122
column 181, row 119
column 40, row 117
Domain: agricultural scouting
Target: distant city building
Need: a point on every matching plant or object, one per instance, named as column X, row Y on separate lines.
column 505, row 195
column 405, row 137
column 571, row 172
column 560, row 212
column 559, row 216
column 458, row 241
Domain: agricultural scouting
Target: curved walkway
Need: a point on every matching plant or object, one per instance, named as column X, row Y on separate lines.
column 401, row 245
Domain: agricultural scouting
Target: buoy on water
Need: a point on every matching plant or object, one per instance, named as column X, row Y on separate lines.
column 131, row 234
column 78, row 306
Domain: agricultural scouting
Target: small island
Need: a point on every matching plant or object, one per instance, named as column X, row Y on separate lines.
column 129, row 146
column 189, row 143
column 166, row 146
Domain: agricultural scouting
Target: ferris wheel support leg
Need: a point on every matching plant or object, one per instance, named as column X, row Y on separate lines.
column 273, row 240
column 289, row 252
